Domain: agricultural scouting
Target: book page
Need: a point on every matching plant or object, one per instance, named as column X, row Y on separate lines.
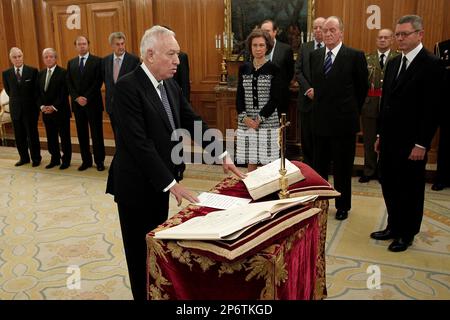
column 220, row 201
column 219, row 224
column 267, row 173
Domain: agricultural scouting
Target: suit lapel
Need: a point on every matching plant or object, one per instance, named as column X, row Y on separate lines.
column 404, row 78
column 320, row 64
column 109, row 66
column 153, row 97
column 53, row 78
column 42, row 80
column 338, row 61
column 87, row 65
column 174, row 102
column 124, row 65
column 276, row 53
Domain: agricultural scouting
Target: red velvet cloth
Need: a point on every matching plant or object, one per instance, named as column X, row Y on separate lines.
column 284, row 270
column 292, row 266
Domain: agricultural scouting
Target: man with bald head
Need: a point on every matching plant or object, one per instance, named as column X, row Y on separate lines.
column 339, row 78
column 376, row 63
column 84, row 80
column 20, row 84
column 306, row 91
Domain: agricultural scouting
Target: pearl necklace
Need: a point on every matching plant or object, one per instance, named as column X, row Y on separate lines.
column 259, row 65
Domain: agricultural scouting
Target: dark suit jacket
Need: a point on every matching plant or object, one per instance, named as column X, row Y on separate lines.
column 303, row 72
column 56, row 94
column 283, row 57
column 142, row 165
column 87, row 84
column 129, row 63
column 410, row 105
column 22, row 96
column 338, row 97
column 182, row 75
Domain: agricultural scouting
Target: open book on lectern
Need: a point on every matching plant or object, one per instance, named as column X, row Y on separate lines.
column 265, row 179
column 231, row 223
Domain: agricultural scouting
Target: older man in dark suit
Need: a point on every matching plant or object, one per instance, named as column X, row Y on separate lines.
column 282, row 55
column 84, row 80
column 339, row 79
column 412, row 92
column 20, row 85
column 149, row 106
column 114, row 66
column 53, row 100
column 306, row 91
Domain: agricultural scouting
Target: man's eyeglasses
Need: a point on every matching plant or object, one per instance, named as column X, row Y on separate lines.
column 405, row 34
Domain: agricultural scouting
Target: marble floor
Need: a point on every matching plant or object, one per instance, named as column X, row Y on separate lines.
column 51, row 220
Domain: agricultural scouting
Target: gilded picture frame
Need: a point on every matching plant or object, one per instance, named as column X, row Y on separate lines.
column 293, row 17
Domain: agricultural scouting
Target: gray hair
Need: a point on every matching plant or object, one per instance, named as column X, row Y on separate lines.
column 151, row 36
column 49, row 50
column 415, row 21
column 339, row 20
column 14, row 49
column 116, row 35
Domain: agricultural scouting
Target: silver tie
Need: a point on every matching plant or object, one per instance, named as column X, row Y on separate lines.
column 47, row 80
column 166, row 104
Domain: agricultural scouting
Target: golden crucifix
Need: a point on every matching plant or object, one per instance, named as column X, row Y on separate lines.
column 284, row 193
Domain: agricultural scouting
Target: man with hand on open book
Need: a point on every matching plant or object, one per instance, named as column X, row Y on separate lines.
column 149, row 107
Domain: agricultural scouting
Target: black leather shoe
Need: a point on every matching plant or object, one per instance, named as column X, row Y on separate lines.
column 385, row 234
column 84, row 166
column 21, row 163
column 341, row 214
column 100, row 167
column 364, row 179
column 438, row 186
column 64, row 166
column 52, row 165
column 400, row 244
column 35, row 163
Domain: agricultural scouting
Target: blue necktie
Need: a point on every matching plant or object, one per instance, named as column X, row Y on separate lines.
column 166, row 104
column 81, row 66
column 328, row 63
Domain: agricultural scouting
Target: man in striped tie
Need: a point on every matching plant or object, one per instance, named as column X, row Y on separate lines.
column 339, row 78
column 148, row 107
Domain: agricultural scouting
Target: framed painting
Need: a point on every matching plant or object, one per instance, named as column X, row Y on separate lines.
column 293, row 17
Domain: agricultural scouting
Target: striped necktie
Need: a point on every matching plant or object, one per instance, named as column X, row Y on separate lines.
column 328, row 63
column 18, row 75
column 166, row 104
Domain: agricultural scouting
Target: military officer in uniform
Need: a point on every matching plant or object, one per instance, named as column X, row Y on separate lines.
column 442, row 179
column 376, row 63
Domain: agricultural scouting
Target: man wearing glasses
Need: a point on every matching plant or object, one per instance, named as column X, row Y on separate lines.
column 412, row 93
